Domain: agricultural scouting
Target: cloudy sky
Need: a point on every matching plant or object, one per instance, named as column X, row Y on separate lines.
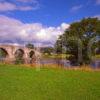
column 41, row 21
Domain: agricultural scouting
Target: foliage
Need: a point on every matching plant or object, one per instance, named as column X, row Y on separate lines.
column 79, row 35
column 47, row 50
column 30, row 46
column 56, row 56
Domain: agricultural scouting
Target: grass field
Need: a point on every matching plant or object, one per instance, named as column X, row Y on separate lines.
column 22, row 83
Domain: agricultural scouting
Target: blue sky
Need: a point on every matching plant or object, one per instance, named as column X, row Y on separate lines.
column 54, row 12
column 51, row 15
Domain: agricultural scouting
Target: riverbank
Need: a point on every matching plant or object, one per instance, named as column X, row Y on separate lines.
column 53, row 66
column 63, row 56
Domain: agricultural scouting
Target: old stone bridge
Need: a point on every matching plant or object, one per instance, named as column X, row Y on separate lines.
column 11, row 50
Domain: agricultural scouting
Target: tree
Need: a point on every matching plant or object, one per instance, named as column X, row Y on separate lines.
column 47, row 50
column 30, row 46
column 84, row 30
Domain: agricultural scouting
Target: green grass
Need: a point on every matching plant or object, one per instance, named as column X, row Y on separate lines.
column 53, row 56
column 97, row 56
column 21, row 83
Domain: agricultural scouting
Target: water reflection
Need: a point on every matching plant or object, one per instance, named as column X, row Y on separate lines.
column 66, row 63
column 95, row 63
column 61, row 62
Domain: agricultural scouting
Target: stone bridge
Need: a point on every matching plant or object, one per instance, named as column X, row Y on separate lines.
column 12, row 49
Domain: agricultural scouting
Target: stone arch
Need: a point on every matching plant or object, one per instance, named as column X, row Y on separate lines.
column 19, row 52
column 31, row 54
column 19, row 56
column 4, row 52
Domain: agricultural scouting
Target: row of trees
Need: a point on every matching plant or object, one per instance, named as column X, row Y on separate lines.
column 78, row 39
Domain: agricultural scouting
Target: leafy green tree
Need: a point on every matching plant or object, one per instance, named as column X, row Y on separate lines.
column 47, row 50
column 84, row 30
column 30, row 46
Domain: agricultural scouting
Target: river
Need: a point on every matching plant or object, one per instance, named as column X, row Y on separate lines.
column 66, row 63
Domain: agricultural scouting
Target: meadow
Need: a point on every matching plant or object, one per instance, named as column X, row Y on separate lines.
column 18, row 82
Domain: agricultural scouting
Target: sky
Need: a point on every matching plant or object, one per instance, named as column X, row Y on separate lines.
column 41, row 21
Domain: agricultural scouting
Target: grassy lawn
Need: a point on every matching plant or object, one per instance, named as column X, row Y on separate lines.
column 21, row 83
column 97, row 56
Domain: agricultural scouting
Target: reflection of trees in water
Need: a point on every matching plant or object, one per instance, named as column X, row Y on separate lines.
column 58, row 61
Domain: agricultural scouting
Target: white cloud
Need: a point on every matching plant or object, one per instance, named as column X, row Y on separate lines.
column 7, row 6
column 64, row 26
column 26, row 1
column 76, row 8
column 97, row 16
column 12, row 30
column 26, row 8
column 98, row 2
column 26, row 5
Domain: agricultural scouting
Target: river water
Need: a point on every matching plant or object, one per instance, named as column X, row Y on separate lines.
column 63, row 62
column 95, row 63
column 66, row 63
